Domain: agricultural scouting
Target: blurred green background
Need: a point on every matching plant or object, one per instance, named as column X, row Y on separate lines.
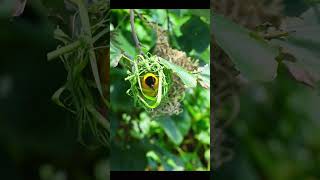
column 180, row 142
column 38, row 139
column 276, row 135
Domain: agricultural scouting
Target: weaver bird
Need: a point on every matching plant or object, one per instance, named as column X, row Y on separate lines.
column 149, row 84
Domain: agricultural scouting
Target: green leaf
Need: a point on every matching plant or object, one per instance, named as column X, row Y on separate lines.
column 62, row 36
column 201, row 13
column 124, row 44
column 204, row 76
column 165, row 155
column 183, row 122
column 176, row 12
column 56, row 96
column 115, row 55
column 197, row 32
column 205, row 56
column 187, row 78
column 118, row 90
column 254, row 57
column 191, row 160
column 204, row 137
column 171, row 130
column 131, row 157
column 207, row 154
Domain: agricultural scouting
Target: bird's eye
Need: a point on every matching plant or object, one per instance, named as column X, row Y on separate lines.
column 150, row 81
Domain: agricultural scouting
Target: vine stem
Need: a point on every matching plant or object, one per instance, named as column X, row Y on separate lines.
column 168, row 20
column 134, row 35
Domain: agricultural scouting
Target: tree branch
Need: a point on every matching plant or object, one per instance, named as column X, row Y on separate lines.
column 134, row 35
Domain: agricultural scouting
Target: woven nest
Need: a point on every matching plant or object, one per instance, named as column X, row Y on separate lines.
column 172, row 105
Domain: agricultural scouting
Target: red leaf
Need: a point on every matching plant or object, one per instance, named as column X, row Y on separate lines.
column 300, row 74
column 19, row 6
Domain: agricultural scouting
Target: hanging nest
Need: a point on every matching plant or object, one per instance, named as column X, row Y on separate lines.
column 150, row 81
column 172, row 104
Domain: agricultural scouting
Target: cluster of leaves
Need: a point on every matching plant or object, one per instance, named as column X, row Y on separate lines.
column 294, row 43
column 179, row 142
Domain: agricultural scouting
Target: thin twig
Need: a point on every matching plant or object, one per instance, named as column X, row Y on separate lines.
column 275, row 35
column 168, row 20
column 134, row 35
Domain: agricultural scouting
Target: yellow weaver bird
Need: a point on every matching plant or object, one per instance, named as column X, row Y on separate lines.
column 149, row 83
